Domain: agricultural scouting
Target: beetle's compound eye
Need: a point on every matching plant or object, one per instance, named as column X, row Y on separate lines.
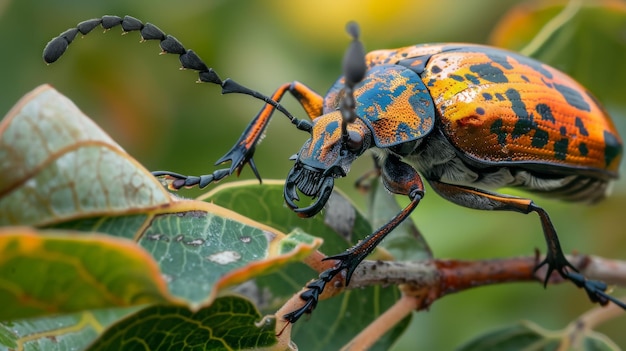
column 354, row 142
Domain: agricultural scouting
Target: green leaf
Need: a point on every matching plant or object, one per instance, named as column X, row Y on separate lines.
column 68, row 332
column 56, row 165
column 340, row 224
column 115, row 237
column 335, row 321
column 584, row 39
column 531, row 337
column 215, row 250
column 54, row 272
column 230, row 323
column 199, row 247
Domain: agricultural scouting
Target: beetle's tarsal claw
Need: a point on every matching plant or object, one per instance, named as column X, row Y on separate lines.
column 239, row 155
column 311, row 296
column 255, row 170
column 175, row 181
column 309, row 306
column 556, row 262
column 595, row 289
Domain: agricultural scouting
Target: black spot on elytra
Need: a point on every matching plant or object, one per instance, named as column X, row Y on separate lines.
column 581, row 126
column 560, row 149
column 582, row 148
column 563, row 131
column 431, row 82
column 572, row 97
column 500, row 97
column 436, row 69
column 472, row 78
column 456, row 77
column 496, row 128
column 480, row 111
column 487, row 96
column 545, row 112
column 612, row 147
column 489, row 73
column 501, row 60
column 540, row 138
column 525, row 78
column 525, row 121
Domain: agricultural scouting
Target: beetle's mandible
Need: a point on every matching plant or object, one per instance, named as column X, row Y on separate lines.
column 469, row 119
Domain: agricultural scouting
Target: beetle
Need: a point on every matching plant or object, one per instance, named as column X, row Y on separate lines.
column 467, row 118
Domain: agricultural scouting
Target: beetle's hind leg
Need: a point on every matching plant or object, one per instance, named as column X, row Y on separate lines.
column 555, row 258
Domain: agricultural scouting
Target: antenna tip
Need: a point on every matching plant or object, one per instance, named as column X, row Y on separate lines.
column 353, row 30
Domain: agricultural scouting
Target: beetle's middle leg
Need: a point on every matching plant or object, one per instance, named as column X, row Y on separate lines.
column 243, row 150
column 399, row 178
column 555, row 258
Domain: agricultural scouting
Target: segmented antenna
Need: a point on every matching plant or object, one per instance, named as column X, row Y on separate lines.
column 354, row 68
column 170, row 45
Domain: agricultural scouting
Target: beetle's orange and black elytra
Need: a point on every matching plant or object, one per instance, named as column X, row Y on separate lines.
column 467, row 118
column 528, row 111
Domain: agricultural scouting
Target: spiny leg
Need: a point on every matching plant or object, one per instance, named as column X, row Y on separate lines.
column 241, row 154
column 243, row 150
column 555, row 258
column 399, row 178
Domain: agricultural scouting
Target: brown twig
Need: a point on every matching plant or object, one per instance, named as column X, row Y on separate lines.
column 423, row 282
column 449, row 276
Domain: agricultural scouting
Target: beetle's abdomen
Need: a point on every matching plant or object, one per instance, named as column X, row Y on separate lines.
column 497, row 107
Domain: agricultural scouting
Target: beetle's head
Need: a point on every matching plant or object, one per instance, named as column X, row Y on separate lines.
column 325, row 156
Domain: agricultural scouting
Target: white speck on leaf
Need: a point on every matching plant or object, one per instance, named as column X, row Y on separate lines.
column 195, row 242
column 224, row 257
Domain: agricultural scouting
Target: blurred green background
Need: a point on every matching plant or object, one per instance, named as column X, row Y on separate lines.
column 166, row 121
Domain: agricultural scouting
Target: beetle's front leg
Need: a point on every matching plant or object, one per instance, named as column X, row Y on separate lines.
column 399, row 178
column 243, row 150
column 555, row 258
